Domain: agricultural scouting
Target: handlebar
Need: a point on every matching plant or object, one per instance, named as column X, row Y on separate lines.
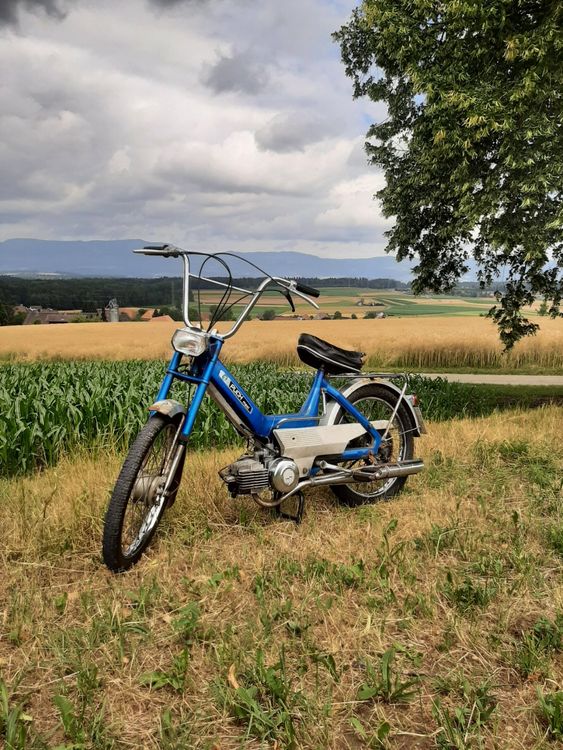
column 171, row 251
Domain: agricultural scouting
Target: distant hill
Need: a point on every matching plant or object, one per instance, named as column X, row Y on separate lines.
column 30, row 257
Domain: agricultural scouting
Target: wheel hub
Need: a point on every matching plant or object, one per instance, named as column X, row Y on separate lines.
column 146, row 489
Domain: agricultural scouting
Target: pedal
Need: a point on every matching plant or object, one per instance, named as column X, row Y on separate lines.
column 298, row 515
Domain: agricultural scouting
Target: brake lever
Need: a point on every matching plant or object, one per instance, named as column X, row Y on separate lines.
column 289, row 298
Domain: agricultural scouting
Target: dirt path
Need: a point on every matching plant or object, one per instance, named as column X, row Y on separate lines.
column 499, row 379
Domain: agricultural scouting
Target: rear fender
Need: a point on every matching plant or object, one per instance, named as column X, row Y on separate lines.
column 419, row 428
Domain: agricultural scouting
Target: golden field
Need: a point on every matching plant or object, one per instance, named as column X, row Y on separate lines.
column 415, row 342
column 238, row 630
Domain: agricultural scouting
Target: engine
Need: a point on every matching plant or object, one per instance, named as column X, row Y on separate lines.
column 250, row 475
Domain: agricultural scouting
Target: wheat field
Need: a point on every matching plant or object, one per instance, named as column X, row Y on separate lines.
column 417, row 342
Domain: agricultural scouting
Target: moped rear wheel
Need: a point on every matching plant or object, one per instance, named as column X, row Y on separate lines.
column 138, row 500
column 377, row 403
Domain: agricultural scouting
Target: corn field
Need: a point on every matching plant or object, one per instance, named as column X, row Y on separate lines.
column 52, row 409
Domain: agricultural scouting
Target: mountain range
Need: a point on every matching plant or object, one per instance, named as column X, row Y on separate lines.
column 31, row 257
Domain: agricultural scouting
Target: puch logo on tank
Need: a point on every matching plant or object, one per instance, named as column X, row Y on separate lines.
column 232, row 387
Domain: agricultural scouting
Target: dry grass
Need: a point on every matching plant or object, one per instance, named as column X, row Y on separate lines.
column 420, row 343
column 226, row 582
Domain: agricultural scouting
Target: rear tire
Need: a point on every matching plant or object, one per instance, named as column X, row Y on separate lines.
column 376, row 402
column 136, row 507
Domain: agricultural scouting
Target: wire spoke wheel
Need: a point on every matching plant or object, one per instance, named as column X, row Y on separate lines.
column 378, row 405
column 140, row 497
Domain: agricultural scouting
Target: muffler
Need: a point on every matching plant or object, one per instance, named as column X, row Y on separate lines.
column 387, row 471
column 366, row 474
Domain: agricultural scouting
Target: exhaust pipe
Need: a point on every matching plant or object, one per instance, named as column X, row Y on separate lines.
column 404, row 469
column 367, row 474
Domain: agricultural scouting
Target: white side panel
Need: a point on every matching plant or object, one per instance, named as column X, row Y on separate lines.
column 310, row 442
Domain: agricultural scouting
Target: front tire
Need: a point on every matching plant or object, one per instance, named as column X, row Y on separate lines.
column 377, row 403
column 137, row 502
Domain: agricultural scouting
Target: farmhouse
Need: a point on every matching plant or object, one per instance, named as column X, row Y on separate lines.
column 35, row 317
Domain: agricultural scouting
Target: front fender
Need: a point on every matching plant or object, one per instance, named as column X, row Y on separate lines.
column 419, row 428
column 169, row 407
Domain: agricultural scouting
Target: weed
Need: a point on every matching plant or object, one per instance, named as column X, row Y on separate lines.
column 374, row 740
column 85, row 729
column 437, row 540
column 536, row 645
column 469, row 594
column 175, row 734
column 555, row 538
column 385, row 683
column 145, row 597
column 460, row 728
column 326, row 660
column 550, row 712
column 229, row 574
column 267, row 705
column 187, row 621
column 174, row 678
column 14, row 722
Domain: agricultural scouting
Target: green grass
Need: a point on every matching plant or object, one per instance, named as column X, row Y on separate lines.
column 405, row 305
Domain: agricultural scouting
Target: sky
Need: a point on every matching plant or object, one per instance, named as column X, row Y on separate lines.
column 212, row 124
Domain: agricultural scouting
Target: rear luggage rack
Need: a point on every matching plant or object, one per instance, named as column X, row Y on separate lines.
column 368, row 375
column 354, row 375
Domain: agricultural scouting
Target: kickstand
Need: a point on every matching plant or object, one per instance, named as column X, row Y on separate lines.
column 298, row 516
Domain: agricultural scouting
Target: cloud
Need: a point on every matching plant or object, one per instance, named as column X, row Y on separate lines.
column 109, row 128
column 9, row 9
column 293, row 131
column 172, row 3
column 353, row 205
column 237, row 72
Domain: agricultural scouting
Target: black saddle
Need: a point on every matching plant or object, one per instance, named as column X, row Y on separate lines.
column 318, row 353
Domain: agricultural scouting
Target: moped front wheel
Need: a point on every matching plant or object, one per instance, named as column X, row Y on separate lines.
column 377, row 404
column 143, row 491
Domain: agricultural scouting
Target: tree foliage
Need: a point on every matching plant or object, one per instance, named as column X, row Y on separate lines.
column 472, row 145
column 8, row 316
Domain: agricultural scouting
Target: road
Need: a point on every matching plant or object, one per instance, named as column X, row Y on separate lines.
column 553, row 380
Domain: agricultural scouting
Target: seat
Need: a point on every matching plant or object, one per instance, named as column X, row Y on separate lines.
column 318, row 353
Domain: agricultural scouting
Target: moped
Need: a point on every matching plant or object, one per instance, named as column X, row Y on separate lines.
column 357, row 438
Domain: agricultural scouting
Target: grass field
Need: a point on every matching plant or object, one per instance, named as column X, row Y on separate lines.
column 433, row 621
column 410, row 343
column 393, row 303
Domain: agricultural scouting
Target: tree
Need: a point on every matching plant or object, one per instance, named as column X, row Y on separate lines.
column 337, row 315
column 174, row 312
column 225, row 314
column 472, row 146
column 9, row 317
column 268, row 314
column 6, row 314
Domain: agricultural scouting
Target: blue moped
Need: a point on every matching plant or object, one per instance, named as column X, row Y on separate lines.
column 358, row 438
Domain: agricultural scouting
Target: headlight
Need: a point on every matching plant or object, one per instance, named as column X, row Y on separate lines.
column 190, row 341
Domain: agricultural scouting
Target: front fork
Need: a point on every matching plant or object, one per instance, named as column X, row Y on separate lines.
column 177, row 453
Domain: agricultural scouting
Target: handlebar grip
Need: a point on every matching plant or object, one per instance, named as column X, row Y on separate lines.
column 166, row 251
column 309, row 290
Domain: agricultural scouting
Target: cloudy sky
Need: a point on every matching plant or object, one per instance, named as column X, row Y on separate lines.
column 214, row 124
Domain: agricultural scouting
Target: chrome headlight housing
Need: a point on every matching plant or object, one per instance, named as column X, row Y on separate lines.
column 190, row 341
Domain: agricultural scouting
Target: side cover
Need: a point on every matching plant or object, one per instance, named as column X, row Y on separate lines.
column 304, row 444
